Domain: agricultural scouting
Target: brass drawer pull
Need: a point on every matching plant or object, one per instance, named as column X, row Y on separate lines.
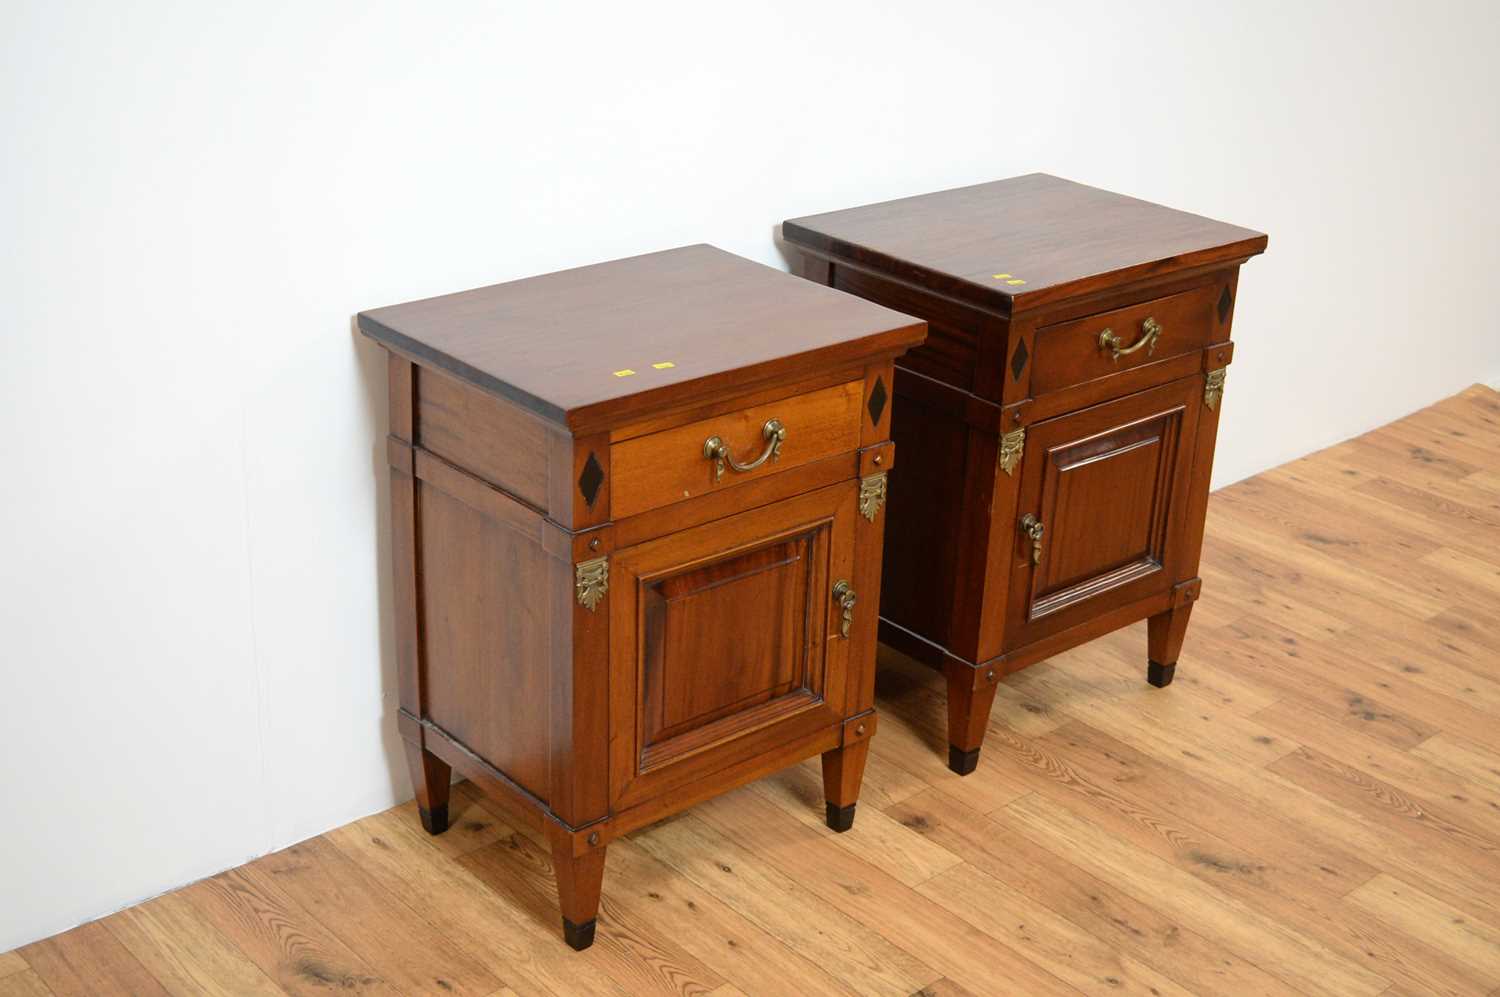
column 843, row 594
column 717, row 450
column 1033, row 528
column 1150, row 332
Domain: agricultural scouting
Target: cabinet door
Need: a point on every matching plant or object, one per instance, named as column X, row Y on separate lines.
column 1107, row 489
column 726, row 640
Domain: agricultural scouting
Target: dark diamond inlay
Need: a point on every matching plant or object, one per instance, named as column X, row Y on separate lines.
column 1018, row 360
column 1225, row 303
column 877, row 401
column 590, row 480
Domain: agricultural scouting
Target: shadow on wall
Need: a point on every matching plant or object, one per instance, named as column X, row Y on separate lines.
column 374, row 378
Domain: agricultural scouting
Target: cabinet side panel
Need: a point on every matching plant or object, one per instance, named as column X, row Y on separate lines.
column 404, row 538
column 485, row 642
column 485, row 435
column 922, row 519
column 953, row 331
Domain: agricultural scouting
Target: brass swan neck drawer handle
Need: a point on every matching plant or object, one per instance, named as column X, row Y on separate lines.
column 1150, row 332
column 1033, row 528
column 717, row 450
column 843, row 594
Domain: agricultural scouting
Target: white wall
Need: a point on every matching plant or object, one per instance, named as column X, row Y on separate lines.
column 196, row 197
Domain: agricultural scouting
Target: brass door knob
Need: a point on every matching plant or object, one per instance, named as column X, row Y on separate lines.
column 1033, row 528
column 843, row 594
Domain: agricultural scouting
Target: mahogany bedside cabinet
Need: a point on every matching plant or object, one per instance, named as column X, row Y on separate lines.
column 1057, row 428
column 637, row 512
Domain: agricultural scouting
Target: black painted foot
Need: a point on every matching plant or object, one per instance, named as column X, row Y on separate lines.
column 841, row 818
column 962, row 762
column 579, row 936
column 434, row 820
column 1160, row 675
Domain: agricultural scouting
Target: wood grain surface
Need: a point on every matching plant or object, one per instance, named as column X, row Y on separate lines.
column 1013, row 245
column 592, row 345
column 1312, row 808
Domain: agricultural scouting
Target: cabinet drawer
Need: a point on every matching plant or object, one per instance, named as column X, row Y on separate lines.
column 1080, row 350
column 672, row 465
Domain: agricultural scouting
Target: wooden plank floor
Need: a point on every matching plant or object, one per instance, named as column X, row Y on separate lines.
column 1313, row 807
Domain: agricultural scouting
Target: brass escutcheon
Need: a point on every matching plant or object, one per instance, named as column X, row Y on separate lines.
column 871, row 495
column 1213, row 387
column 1012, row 446
column 591, row 581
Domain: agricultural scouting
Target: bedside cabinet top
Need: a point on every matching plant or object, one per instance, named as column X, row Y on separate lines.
column 589, row 347
column 1016, row 244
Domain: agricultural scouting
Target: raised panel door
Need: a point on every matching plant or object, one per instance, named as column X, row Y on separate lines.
column 1102, row 509
column 726, row 640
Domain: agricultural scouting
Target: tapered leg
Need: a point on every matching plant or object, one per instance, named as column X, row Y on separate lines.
column 579, row 879
column 1164, row 633
column 843, row 769
column 431, row 778
column 968, row 716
